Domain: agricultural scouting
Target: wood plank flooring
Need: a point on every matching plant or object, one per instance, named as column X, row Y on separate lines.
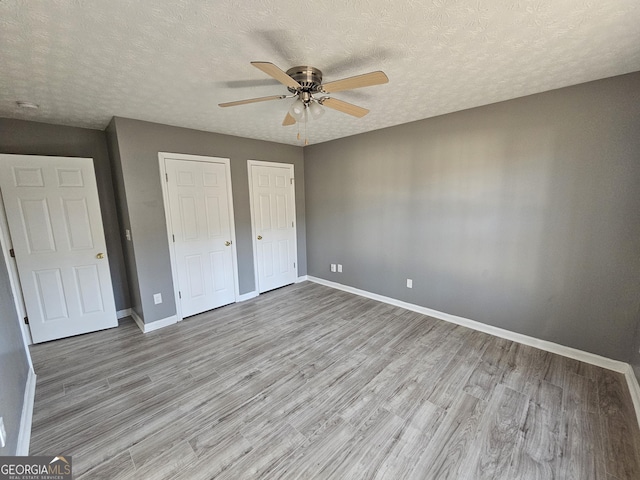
column 310, row 382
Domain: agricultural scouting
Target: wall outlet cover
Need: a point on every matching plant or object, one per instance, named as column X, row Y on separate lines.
column 333, row 267
column 339, row 268
column 157, row 298
column 409, row 283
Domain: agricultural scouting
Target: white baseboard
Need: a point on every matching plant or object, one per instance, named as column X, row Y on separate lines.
column 546, row 345
column 150, row 327
column 634, row 389
column 552, row 347
column 247, row 296
column 138, row 320
column 24, row 435
column 165, row 322
column 123, row 313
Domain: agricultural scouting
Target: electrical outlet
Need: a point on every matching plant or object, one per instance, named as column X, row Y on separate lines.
column 333, row 267
column 157, row 298
column 127, row 233
column 409, row 283
column 339, row 268
column 3, row 434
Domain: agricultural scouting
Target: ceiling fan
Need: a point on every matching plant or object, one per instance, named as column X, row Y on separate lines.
column 305, row 84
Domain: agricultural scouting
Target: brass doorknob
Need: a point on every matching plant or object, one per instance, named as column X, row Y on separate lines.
column 259, row 237
column 100, row 256
column 227, row 243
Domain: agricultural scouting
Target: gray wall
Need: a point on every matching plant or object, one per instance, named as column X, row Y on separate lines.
column 138, row 172
column 14, row 365
column 32, row 138
column 123, row 219
column 524, row 214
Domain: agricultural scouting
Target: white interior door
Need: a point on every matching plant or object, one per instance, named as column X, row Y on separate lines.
column 273, row 212
column 54, row 219
column 201, row 223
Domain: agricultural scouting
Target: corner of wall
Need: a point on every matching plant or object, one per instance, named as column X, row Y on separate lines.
column 16, row 370
column 122, row 207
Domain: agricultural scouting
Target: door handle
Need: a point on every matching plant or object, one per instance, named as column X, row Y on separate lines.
column 227, row 243
column 100, row 256
column 259, row 237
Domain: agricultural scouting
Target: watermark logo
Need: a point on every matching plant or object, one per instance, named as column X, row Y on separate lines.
column 35, row 468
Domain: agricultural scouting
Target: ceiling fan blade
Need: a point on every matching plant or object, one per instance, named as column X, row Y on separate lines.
column 359, row 81
column 288, row 120
column 252, row 100
column 345, row 107
column 275, row 72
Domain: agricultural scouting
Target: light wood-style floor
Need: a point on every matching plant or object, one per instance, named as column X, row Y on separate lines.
column 310, row 382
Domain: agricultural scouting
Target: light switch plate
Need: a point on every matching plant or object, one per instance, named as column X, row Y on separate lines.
column 409, row 283
column 333, row 267
column 157, row 298
column 339, row 268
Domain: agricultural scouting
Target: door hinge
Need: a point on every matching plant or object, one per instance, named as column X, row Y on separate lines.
column 292, row 224
column 291, row 179
column 179, row 294
column 26, row 320
column 166, row 177
column 174, row 238
column 294, row 264
column 12, row 254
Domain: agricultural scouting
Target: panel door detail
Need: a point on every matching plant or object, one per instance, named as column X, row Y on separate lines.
column 201, row 225
column 274, row 224
column 55, row 223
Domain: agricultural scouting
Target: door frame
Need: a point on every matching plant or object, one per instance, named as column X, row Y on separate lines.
column 263, row 163
column 6, row 243
column 162, row 156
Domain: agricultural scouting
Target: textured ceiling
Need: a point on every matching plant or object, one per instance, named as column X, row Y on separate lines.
column 173, row 61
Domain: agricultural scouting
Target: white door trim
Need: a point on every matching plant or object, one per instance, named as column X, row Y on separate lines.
column 14, row 281
column 264, row 163
column 162, row 156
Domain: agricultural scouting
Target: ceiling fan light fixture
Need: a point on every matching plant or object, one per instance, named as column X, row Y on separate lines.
column 315, row 109
column 297, row 110
column 303, row 83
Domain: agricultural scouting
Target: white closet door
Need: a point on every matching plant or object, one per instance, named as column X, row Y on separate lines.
column 201, row 225
column 273, row 211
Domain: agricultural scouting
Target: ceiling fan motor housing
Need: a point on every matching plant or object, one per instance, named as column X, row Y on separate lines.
column 304, row 82
column 310, row 78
